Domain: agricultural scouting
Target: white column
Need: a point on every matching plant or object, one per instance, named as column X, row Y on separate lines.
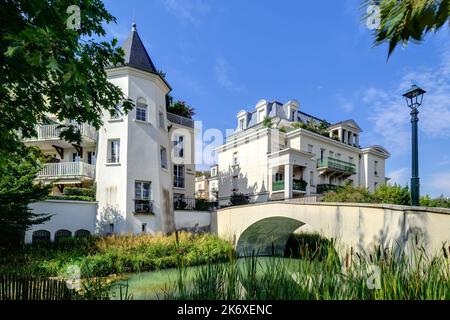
column 357, row 140
column 288, row 171
column 270, row 181
column 340, row 134
column 307, row 178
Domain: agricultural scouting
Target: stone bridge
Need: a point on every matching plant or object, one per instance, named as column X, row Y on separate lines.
column 266, row 227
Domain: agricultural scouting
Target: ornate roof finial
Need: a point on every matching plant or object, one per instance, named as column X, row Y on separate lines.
column 133, row 26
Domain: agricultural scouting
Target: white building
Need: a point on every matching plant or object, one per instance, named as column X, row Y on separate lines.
column 207, row 185
column 137, row 161
column 275, row 155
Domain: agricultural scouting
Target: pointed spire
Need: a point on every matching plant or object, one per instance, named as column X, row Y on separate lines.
column 135, row 53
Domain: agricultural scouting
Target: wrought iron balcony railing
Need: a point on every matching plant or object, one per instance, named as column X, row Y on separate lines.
column 336, row 165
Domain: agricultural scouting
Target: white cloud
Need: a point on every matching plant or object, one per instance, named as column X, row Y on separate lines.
column 345, row 104
column 389, row 113
column 187, row 11
column 223, row 72
column 441, row 182
column 399, row 176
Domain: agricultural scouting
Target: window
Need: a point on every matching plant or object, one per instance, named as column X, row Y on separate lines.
column 141, row 110
column 293, row 115
column 322, row 153
column 241, row 124
column 311, row 178
column 75, row 157
column 375, row 184
column 278, row 176
column 82, row 233
column 117, row 114
column 235, row 159
column 41, row 236
column 161, row 120
column 91, row 157
column 213, row 172
column 375, row 168
column 261, row 116
column 144, row 228
column 178, row 145
column 114, row 151
column 62, row 234
column 163, row 157
column 178, row 176
column 310, row 148
column 142, row 196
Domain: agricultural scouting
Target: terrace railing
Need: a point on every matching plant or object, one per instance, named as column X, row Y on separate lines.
column 53, row 131
column 336, row 164
column 67, row 169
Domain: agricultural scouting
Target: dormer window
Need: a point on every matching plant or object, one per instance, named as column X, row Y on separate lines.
column 293, row 116
column 261, row 116
column 241, row 124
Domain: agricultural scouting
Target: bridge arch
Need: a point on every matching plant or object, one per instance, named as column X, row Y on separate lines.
column 267, row 236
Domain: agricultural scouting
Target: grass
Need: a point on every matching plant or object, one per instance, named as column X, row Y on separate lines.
column 100, row 257
column 330, row 277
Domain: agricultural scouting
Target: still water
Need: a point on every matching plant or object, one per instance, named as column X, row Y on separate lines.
column 152, row 285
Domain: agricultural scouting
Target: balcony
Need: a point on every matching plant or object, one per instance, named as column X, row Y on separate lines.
column 332, row 165
column 180, row 120
column 52, row 132
column 69, row 172
column 321, row 188
column 297, row 185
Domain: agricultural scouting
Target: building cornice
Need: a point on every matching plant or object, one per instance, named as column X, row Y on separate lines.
column 304, row 132
column 127, row 70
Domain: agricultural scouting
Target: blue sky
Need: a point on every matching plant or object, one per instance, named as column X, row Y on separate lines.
column 222, row 56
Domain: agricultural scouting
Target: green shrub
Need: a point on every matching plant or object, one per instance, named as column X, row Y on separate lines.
column 392, row 194
column 201, row 204
column 308, row 246
column 441, row 202
column 349, row 193
column 239, row 199
column 83, row 192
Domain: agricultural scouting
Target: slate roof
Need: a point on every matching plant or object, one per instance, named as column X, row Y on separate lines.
column 135, row 53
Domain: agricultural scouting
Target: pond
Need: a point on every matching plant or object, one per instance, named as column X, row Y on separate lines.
column 152, row 285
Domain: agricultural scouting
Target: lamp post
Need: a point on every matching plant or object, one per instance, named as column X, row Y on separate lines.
column 414, row 97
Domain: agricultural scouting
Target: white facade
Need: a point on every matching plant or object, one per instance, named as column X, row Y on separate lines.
column 289, row 160
column 137, row 161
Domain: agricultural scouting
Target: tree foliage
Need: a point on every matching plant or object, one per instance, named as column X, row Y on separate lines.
column 349, row 193
column 440, row 202
column 239, row 199
column 47, row 67
column 182, row 109
column 17, row 191
column 393, row 194
column 402, row 21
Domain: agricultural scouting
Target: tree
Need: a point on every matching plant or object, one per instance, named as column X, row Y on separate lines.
column 180, row 108
column 402, row 21
column 48, row 67
column 441, row 202
column 17, row 191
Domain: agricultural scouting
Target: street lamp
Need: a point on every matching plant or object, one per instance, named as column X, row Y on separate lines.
column 414, row 97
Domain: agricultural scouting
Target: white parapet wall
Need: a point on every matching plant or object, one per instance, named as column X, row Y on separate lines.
column 66, row 215
column 261, row 227
column 193, row 220
column 82, row 215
